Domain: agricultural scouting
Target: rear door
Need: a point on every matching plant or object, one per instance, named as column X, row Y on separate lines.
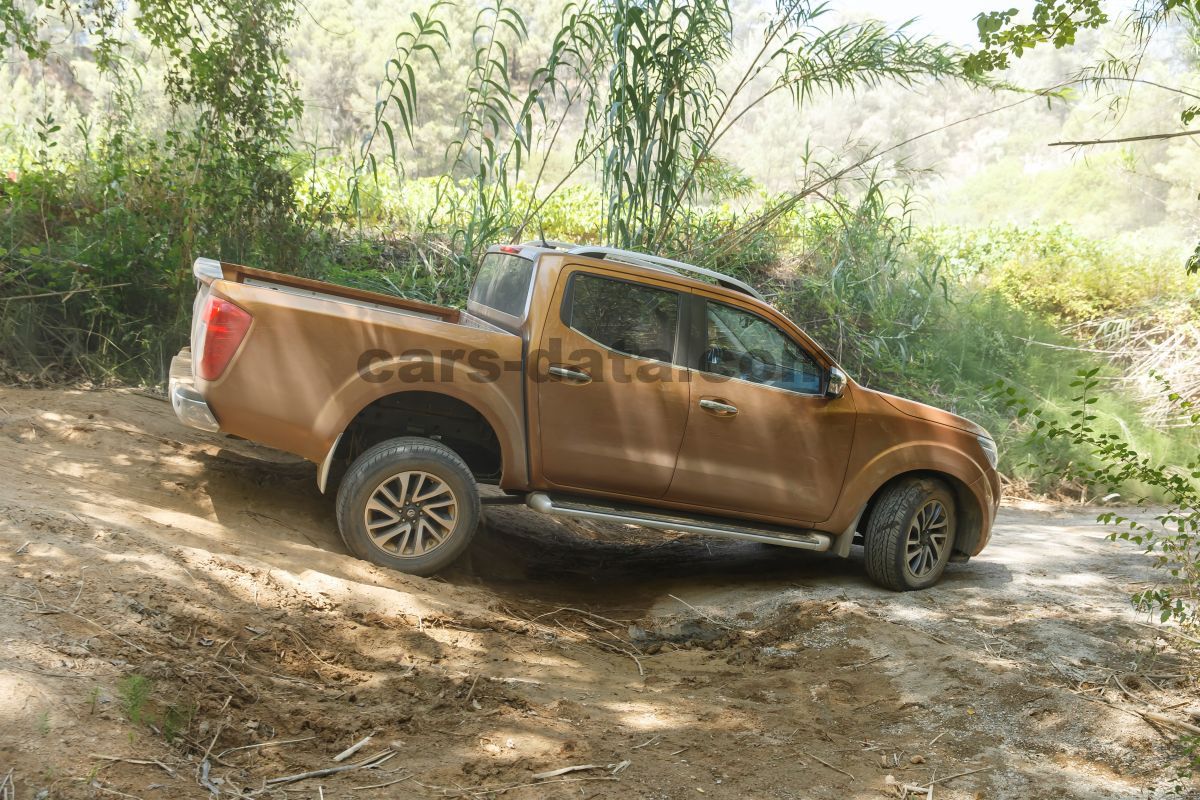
column 762, row 438
column 612, row 404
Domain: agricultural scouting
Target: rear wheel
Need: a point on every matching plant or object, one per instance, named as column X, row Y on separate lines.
column 409, row 504
column 910, row 535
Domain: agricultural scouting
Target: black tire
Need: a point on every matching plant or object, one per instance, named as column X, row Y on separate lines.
column 893, row 561
column 402, row 467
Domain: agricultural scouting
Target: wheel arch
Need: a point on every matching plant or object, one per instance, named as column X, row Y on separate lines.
column 968, row 515
column 461, row 425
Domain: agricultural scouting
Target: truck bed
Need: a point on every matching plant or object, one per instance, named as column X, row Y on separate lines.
column 317, row 354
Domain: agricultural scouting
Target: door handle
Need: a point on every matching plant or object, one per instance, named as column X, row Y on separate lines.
column 719, row 408
column 570, row 374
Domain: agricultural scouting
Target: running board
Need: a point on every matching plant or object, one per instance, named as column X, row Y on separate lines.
column 803, row 540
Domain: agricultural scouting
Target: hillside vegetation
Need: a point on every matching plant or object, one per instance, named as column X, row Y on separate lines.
column 161, row 142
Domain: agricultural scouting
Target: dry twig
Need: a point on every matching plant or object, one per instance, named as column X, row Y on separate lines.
column 263, row 745
column 716, row 622
column 957, row 775
column 146, row 761
column 372, row 761
column 352, row 749
column 92, row 622
column 554, row 773
column 826, row 763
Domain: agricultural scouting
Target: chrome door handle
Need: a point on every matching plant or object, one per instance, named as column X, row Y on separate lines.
column 719, row 408
column 578, row 376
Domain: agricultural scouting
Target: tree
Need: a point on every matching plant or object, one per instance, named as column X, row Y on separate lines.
column 1058, row 22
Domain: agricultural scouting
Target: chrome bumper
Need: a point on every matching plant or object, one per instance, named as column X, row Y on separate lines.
column 188, row 403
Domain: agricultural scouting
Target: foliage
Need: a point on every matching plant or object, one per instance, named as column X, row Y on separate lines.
column 399, row 90
column 658, row 96
column 1058, row 22
column 134, row 691
column 653, row 111
column 92, row 255
column 1170, row 536
column 1054, row 21
column 660, row 109
column 1173, row 540
column 1093, row 279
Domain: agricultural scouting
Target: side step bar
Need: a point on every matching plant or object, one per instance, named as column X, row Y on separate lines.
column 803, row 540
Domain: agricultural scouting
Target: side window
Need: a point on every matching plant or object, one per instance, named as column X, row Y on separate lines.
column 742, row 345
column 503, row 283
column 630, row 318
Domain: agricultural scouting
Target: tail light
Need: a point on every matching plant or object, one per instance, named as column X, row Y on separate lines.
column 224, row 327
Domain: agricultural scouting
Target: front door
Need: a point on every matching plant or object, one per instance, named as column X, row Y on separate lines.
column 612, row 406
column 761, row 437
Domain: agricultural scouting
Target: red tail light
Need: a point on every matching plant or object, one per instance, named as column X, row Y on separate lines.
column 225, row 325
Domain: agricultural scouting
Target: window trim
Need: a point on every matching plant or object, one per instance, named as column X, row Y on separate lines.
column 698, row 334
column 565, row 308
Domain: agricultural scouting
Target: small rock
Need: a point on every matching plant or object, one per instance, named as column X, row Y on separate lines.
column 917, row 760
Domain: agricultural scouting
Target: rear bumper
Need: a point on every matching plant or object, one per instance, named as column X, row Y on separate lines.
column 188, row 403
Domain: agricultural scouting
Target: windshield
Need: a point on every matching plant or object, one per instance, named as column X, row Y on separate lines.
column 503, row 283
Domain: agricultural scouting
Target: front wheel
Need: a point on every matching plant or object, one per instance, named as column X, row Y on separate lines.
column 409, row 504
column 910, row 534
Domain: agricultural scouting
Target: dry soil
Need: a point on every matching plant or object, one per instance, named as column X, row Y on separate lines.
column 178, row 618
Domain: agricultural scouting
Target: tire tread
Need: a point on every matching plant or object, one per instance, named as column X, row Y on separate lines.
column 887, row 531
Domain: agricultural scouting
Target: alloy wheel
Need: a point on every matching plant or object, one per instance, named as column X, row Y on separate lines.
column 928, row 534
column 410, row 514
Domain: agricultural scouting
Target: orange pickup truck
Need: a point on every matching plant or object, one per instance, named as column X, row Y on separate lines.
column 587, row 382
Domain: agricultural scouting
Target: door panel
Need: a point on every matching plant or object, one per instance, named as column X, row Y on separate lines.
column 760, row 438
column 611, row 408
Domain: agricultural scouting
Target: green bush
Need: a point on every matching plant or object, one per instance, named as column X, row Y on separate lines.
column 1065, row 277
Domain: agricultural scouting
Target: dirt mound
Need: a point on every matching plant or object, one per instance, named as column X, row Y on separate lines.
column 182, row 620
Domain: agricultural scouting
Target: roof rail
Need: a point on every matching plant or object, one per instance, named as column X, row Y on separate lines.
column 647, row 260
column 553, row 244
column 670, row 265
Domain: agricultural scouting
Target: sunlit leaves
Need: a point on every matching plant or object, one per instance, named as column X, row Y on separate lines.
column 398, row 92
column 644, row 78
column 662, row 102
column 666, row 111
column 1172, row 536
column 1053, row 22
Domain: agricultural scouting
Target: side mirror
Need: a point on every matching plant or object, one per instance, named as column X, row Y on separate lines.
column 835, row 386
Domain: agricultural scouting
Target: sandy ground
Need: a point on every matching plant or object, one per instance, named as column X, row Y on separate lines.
column 178, row 618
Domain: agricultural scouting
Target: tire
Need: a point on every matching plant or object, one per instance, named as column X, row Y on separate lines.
column 409, row 504
column 902, row 535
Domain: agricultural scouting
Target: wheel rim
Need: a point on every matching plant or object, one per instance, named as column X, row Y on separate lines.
column 411, row 514
column 928, row 535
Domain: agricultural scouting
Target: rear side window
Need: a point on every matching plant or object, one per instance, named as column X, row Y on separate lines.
column 503, row 283
column 631, row 318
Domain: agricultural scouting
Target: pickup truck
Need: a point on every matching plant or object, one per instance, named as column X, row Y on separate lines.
column 587, row 382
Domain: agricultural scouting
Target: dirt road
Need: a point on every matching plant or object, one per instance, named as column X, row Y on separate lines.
column 179, row 618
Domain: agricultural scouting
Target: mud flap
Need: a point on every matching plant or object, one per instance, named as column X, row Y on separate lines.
column 841, row 545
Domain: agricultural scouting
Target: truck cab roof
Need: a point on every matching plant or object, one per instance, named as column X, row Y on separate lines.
column 652, row 263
